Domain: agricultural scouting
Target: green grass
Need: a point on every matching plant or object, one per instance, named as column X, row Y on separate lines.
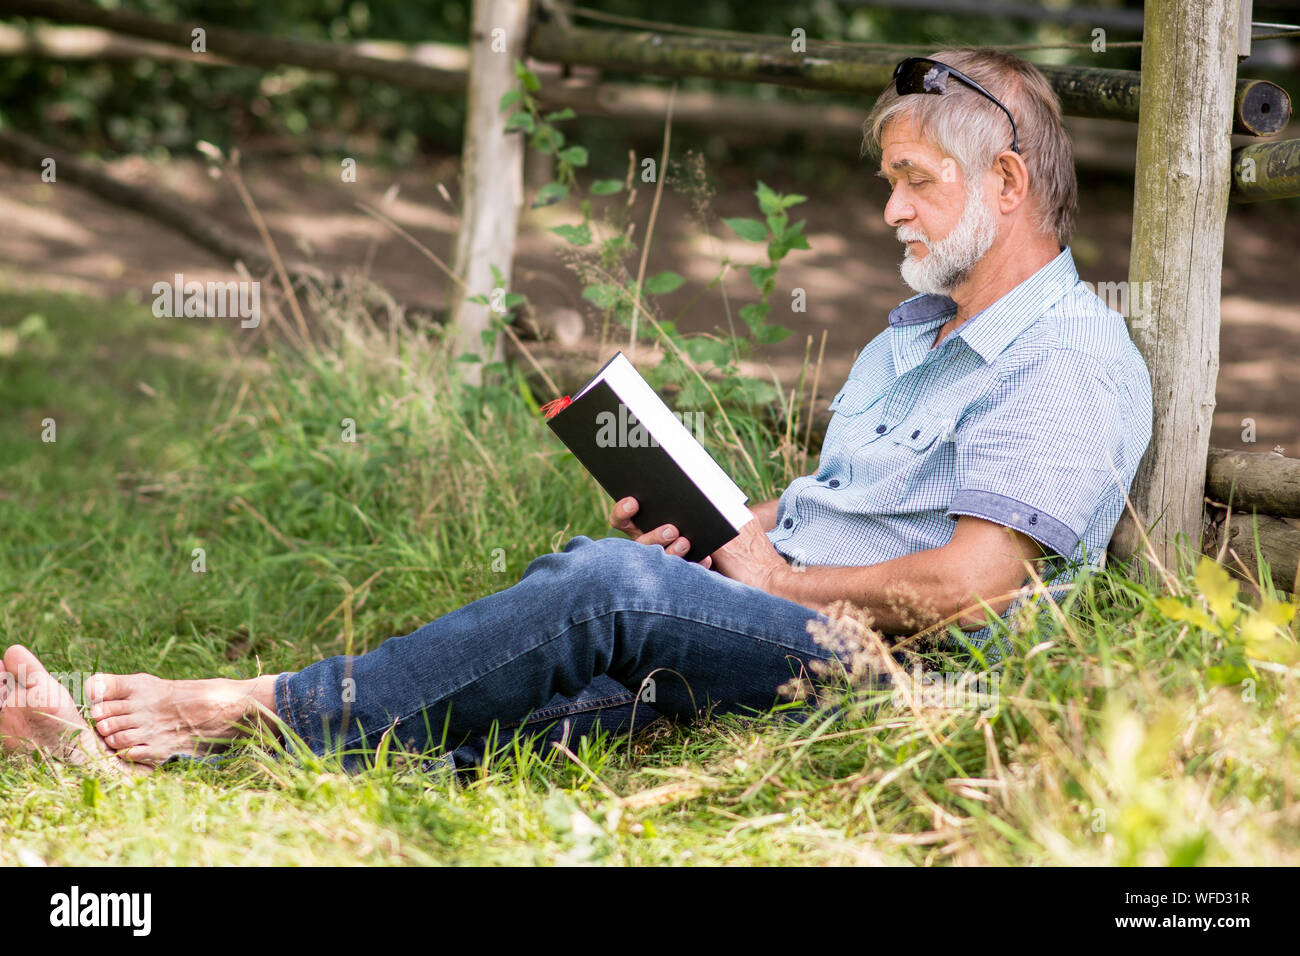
column 1129, row 731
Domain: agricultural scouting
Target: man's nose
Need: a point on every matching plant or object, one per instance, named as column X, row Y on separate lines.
column 898, row 211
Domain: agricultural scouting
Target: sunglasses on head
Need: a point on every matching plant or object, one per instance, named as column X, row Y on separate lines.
column 920, row 74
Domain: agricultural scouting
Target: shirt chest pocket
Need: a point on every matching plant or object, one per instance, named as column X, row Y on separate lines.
column 855, row 397
column 920, row 434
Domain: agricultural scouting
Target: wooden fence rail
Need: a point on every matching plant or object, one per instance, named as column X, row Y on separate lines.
column 1260, row 107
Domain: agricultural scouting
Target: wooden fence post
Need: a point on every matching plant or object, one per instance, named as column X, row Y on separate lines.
column 1189, row 64
column 492, row 190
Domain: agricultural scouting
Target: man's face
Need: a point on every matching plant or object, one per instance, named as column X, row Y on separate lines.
column 946, row 224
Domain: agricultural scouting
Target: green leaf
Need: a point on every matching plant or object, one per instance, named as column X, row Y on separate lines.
column 794, row 235
column 755, row 392
column 468, row 358
column 522, row 120
column 612, row 246
column 497, row 278
column 606, row 187
column 771, row 334
column 768, row 201
column 749, row 229
column 527, row 77
column 507, row 99
column 702, row 348
column 513, row 299
column 606, row 296
column 558, row 115
column 1227, row 674
column 548, row 139
column 477, row 299
column 754, row 314
column 578, row 235
column 663, row 283
column 575, row 155
column 550, row 194
column 1219, row 589
column 761, row 276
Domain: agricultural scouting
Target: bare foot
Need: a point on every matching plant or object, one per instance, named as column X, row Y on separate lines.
column 38, row 716
column 146, row 719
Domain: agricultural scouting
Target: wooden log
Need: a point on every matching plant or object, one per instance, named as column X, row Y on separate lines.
column 92, row 43
column 1261, row 481
column 254, row 49
column 1259, row 107
column 492, row 170
column 1180, row 202
column 1266, row 171
column 1278, row 544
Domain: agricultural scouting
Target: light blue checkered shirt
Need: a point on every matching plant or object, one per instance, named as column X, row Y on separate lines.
column 1033, row 413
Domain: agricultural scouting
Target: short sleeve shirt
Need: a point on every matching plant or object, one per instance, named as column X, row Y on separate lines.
column 1033, row 413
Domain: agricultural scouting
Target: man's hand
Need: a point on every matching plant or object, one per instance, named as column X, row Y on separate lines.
column 664, row 536
column 750, row 559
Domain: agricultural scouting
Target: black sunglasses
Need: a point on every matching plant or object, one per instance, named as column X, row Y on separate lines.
column 920, row 74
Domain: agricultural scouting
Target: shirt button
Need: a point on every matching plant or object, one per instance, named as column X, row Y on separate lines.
column 834, row 482
column 915, row 433
column 880, row 429
column 789, row 522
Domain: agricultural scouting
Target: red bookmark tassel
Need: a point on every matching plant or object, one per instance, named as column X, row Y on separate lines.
column 551, row 409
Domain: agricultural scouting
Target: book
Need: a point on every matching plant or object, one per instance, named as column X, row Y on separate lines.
column 635, row 446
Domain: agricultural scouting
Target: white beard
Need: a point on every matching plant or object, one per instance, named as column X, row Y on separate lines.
column 949, row 262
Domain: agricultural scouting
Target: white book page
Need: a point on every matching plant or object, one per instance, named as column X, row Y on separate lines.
column 649, row 409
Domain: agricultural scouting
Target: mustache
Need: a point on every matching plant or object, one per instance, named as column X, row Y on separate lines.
column 904, row 234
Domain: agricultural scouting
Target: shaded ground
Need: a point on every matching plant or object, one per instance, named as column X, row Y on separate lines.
column 59, row 237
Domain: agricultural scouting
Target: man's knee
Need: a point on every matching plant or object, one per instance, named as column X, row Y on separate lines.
column 618, row 566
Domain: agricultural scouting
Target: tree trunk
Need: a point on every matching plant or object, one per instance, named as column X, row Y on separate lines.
column 492, row 169
column 1189, row 61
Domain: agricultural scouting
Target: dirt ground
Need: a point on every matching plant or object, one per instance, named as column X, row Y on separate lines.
column 57, row 236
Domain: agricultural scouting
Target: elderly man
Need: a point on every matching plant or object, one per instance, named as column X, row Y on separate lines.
column 997, row 421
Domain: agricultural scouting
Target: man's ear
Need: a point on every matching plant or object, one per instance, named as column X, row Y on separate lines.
column 1013, row 175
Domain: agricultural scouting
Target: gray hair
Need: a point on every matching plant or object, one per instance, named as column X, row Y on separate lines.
column 966, row 126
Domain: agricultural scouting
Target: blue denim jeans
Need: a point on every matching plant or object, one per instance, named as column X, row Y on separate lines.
column 581, row 636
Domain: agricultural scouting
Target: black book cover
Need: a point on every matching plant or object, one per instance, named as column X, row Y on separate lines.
column 645, row 472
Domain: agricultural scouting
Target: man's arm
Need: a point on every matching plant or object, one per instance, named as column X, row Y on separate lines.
column 983, row 560
column 765, row 512
column 622, row 518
